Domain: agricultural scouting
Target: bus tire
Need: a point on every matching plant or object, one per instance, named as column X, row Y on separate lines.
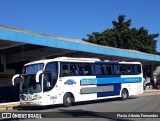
column 67, row 100
column 124, row 94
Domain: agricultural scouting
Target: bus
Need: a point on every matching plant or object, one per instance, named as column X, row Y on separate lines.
column 66, row 80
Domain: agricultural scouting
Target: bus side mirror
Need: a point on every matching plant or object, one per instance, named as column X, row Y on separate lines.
column 38, row 75
column 15, row 77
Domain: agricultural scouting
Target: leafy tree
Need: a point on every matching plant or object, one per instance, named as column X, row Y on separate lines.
column 122, row 36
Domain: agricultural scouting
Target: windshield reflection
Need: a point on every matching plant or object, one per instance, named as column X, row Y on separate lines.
column 29, row 85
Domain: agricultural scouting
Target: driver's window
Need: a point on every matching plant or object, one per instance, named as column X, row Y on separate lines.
column 50, row 76
column 47, row 82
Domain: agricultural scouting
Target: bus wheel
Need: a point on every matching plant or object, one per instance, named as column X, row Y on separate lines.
column 124, row 94
column 67, row 100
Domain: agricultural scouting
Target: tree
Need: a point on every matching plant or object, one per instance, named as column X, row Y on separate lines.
column 122, row 36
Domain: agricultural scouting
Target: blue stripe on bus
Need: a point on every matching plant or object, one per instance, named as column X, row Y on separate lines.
column 95, row 81
column 117, row 88
column 118, row 80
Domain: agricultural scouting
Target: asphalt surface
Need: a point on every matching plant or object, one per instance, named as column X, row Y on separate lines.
column 102, row 110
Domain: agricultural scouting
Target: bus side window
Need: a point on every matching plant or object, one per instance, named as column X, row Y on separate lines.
column 64, row 70
column 87, row 69
column 73, row 70
column 92, row 70
column 104, row 69
column 122, row 69
column 109, row 69
column 116, row 70
column 99, row 69
column 137, row 69
column 80, row 69
column 129, row 69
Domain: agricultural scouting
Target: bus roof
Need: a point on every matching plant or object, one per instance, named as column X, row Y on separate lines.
column 66, row 59
column 70, row 59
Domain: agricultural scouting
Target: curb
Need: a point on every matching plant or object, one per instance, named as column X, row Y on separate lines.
column 150, row 92
column 9, row 106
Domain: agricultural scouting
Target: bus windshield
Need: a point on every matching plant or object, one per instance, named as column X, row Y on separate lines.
column 29, row 85
column 32, row 69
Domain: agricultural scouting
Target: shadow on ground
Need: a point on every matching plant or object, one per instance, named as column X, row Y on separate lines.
column 68, row 112
column 34, row 108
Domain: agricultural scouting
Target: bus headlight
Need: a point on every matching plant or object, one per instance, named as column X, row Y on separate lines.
column 22, row 97
column 37, row 97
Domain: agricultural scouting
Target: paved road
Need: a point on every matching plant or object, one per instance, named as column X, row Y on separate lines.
column 90, row 111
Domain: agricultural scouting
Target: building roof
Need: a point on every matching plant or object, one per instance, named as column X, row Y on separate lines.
column 23, row 36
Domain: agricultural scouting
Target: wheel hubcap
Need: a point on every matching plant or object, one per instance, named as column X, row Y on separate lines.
column 124, row 94
column 69, row 100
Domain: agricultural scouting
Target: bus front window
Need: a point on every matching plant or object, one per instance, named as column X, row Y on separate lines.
column 33, row 68
column 29, row 85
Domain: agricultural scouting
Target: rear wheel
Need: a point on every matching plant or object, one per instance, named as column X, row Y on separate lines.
column 124, row 94
column 67, row 100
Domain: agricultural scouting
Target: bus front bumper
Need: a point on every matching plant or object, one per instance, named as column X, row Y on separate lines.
column 31, row 103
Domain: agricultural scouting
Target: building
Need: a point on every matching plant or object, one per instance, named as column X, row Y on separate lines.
column 18, row 47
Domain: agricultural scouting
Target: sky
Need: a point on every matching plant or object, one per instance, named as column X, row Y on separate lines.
column 77, row 18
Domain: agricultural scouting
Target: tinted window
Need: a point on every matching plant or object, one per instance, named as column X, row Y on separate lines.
column 68, row 69
column 50, row 76
column 64, row 70
column 75, row 69
column 82, row 69
column 122, row 69
column 85, row 69
column 99, row 69
column 109, row 69
column 31, row 69
column 137, row 69
column 130, row 69
column 116, row 69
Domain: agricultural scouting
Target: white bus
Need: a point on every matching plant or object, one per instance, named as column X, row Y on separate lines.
column 67, row 80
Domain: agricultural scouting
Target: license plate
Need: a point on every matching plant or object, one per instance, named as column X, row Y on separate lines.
column 28, row 103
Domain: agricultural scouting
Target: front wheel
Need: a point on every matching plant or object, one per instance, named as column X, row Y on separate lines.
column 67, row 100
column 124, row 94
